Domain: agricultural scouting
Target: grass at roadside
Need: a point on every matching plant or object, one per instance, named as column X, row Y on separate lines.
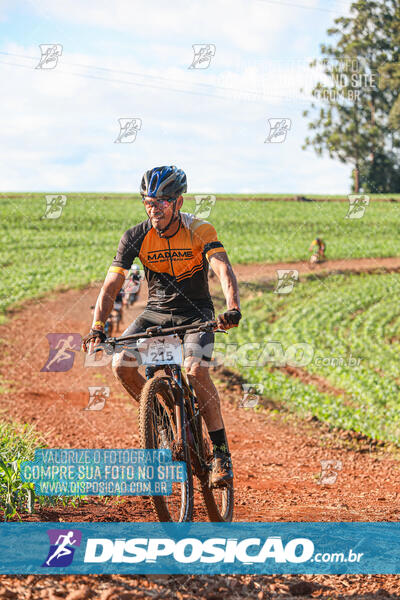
column 38, row 255
column 349, row 329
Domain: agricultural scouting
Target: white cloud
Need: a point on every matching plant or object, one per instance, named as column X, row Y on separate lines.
column 246, row 25
column 59, row 126
column 63, row 137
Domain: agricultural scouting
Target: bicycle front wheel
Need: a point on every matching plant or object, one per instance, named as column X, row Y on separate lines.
column 158, row 430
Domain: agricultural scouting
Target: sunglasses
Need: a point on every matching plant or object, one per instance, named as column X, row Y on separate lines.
column 157, row 203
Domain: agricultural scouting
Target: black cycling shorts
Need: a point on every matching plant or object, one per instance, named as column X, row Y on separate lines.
column 198, row 344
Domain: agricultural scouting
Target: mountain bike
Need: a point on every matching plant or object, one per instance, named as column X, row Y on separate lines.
column 316, row 258
column 170, row 418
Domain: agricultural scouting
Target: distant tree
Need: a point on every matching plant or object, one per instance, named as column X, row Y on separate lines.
column 382, row 174
column 352, row 124
column 390, row 72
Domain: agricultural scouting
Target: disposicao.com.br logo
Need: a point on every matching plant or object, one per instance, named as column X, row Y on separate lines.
column 211, row 550
column 196, row 548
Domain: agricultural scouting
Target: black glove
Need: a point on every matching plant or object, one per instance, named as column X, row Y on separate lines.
column 233, row 316
column 93, row 334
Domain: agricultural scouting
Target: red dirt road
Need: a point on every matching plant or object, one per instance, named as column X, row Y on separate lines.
column 267, row 271
column 276, row 460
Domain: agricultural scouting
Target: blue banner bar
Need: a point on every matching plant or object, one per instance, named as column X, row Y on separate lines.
column 196, row 548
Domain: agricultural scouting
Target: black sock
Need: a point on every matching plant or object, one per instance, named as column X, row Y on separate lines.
column 218, row 438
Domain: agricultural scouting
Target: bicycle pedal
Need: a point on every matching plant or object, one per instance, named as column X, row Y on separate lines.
column 177, row 451
column 220, row 484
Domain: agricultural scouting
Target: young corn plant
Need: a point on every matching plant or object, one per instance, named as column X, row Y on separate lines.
column 17, row 444
column 16, row 494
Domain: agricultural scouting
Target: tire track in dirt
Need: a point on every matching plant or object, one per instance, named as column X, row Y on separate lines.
column 276, row 459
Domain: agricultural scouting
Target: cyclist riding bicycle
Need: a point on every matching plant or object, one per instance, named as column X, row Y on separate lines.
column 116, row 311
column 118, row 301
column 132, row 285
column 318, row 247
column 175, row 249
column 134, row 274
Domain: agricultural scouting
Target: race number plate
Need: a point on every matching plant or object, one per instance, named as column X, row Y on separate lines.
column 164, row 350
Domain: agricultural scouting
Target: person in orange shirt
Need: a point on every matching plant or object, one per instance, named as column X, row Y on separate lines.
column 175, row 249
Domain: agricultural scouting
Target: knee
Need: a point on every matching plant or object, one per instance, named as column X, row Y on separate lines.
column 196, row 371
column 118, row 370
column 120, row 365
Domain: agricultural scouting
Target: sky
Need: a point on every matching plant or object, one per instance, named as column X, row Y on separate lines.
column 130, row 59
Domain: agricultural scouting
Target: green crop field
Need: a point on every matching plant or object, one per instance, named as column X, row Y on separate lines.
column 350, row 328
column 40, row 254
column 348, row 325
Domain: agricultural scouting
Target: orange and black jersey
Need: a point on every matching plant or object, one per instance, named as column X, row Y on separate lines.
column 176, row 267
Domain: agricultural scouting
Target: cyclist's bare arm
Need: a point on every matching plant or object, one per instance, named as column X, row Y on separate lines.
column 222, row 267
column 105, row 302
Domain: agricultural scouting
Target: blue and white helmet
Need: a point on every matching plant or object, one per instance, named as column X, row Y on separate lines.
column 163, row 182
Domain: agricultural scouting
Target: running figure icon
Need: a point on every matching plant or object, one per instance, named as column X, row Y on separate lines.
column 62, row 351
column 62, row 549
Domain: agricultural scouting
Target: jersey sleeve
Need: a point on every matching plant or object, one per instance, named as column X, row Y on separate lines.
column 207, row 236
column 128, row 249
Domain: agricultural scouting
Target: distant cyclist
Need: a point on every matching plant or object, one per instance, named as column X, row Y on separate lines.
column 132, row 286
column 175, row 249
column 116, row 313
column 318, row 248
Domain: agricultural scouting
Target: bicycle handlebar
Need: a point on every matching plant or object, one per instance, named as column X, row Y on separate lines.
column 157, row 331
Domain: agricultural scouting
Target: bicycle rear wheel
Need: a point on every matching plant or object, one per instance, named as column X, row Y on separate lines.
column 158, row 430
column 218, row 501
